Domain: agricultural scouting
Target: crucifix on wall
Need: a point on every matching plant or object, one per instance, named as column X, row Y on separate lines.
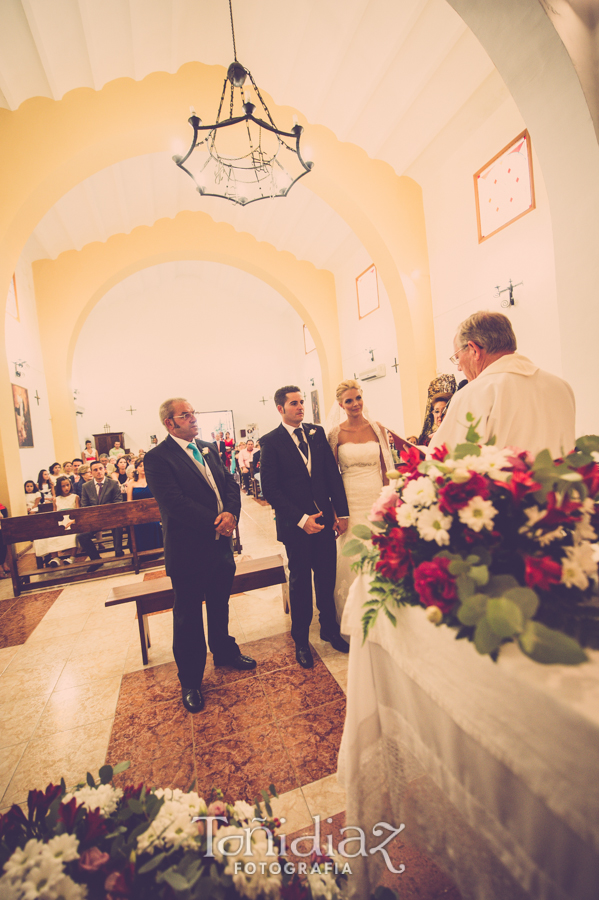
column 37, row 398
column 131, row 410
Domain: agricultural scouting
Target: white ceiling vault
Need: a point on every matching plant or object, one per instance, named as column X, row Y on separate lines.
column 388, row 75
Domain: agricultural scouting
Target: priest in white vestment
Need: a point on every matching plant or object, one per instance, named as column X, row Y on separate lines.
column 517, row 403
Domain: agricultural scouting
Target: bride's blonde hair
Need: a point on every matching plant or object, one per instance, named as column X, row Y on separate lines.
column 349, row 385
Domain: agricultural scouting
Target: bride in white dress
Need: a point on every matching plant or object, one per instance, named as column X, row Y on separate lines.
column 362, row 451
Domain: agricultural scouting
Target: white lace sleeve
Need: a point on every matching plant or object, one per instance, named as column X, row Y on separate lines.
column 381, row 434
column 333, row 439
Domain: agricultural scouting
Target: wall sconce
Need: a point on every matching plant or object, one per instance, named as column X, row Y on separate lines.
column 18, row 364
column 312, row 382
column 509, row 300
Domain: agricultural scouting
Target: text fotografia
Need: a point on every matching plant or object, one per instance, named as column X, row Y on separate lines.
column 351, row 847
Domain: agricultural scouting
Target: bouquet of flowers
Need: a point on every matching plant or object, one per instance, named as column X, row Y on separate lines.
column 100, row 841
column 498, row 544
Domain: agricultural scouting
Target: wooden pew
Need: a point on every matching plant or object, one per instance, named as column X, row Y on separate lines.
column 158, row 595
column 77, row 521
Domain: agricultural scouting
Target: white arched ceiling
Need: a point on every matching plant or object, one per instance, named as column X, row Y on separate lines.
column 387, row 76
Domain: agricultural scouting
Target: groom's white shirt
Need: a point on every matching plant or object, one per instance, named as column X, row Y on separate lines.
column 307, row 462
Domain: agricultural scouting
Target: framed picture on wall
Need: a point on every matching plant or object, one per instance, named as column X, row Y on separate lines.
column 309, row 344
column 20, row 397
column 12, row 302
column 504, row 188
column 315, row 407
column 367, row 288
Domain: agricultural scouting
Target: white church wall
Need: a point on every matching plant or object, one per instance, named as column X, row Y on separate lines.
column 23, row 343
column 214, row 334
column 464, row 273
column 375, row 332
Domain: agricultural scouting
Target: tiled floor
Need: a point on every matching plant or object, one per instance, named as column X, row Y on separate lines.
column 74, row 693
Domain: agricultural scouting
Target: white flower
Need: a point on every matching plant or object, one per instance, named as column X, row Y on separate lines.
column 37, row 871
column 406, row 515
column 64, row 846
column 573, row 574
column 434, row 526
column 420, row 492
column 478, row 514
column 104, row 797
column 312, row 431
column 173, row 825
column 244, row 810
column 205, row 451
column 534, row 515
column 545, row 537
column 595, row 455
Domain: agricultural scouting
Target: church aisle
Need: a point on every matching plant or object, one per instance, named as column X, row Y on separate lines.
column 75, row 693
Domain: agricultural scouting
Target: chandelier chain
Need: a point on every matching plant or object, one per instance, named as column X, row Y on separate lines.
column 259, row 95
column 233, row 30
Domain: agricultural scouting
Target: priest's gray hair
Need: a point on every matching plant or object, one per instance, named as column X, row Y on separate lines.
column 167, row 409
column 490, row 330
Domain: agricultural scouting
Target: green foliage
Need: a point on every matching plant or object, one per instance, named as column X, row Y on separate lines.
column 363, row 532
column 545, row 645
column 352, row 548
column 485, row 639
column 504, row 617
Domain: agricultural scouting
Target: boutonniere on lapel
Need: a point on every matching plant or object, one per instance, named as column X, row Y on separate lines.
column 205, row 452
column 312, row 431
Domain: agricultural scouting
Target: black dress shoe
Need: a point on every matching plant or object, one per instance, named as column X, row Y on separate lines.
column 95, row 567
column 304, row 657
column 192, row 699
column 336, row 642
column 238, row 662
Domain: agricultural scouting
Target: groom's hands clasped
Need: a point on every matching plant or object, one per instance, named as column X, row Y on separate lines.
column 311, row 526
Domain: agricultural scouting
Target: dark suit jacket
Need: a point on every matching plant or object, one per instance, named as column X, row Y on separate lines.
column 110, row 493
column 188, row 505
column 220, row 446
column 289, row 488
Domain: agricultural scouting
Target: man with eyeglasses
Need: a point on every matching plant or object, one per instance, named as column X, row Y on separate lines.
column 199, row 505
column 516, row 402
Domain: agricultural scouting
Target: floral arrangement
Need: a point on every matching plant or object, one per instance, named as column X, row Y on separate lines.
column 499, row 544
column 100, row 841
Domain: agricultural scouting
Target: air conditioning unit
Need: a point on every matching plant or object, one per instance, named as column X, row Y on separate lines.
column 376, row 372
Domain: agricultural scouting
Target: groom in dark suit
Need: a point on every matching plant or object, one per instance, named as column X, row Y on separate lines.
column 199, row 504
column 301, row 481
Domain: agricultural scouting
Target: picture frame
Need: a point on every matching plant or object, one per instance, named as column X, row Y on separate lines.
column 315, row 407
column 504, row 187
column 367, row 289
column 309, row 344
column 12, row 301
column 20, row 396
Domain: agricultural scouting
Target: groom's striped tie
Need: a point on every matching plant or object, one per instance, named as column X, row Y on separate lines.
column 303, row 445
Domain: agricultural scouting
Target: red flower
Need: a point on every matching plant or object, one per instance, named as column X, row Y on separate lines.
column 456, row 495
column 67, row 813
column 94, row 827
column 435, row 586
column 410, row 459
column 39, row 802
column 116, row 886
column 520, row 484
column 559, row 512
column 590, row 476
column 93, row 859
column 542, row 572
column 394, row 561
column 439, row 453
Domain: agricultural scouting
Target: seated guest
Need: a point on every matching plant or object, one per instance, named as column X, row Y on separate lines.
column 517, row 403
column 67, row 468
column 98, row 491
column 46, row 488
column 104, row 459
column 85, row 472
column 61, row 548
column 149, row 535
column 120, row 474
column 32, row 496
column 116, row 451
column 76, row 477
column 90, row 453
column 54, row 473
column 244, row 458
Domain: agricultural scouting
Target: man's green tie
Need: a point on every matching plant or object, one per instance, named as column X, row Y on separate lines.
column 196, row 453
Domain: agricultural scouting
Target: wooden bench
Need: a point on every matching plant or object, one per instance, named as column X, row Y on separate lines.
column 158, row 595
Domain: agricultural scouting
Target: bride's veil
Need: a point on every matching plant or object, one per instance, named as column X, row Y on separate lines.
column 335, row 419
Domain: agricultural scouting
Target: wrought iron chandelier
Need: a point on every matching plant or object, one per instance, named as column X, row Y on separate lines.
column 243, row 158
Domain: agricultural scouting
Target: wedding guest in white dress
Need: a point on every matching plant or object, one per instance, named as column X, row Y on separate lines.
column 65, row 499
column 362, row 451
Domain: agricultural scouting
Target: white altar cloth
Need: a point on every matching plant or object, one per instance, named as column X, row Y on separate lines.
column 492, row 767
